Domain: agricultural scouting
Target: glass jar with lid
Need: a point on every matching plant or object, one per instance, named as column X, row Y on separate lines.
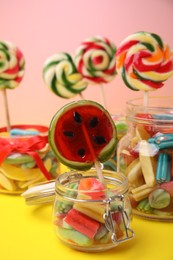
column 145, row 156
column 87, row 215
column 25, row 158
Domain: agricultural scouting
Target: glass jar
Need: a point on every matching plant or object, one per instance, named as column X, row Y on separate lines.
column 90, row 219
column 25, row 158
column 86, row 216
column 121, row 128
column 145, row 156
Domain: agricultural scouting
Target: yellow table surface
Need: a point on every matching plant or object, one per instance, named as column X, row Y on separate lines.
column 26, row 232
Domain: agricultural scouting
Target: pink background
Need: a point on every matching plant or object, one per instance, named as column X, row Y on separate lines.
column 41, row 28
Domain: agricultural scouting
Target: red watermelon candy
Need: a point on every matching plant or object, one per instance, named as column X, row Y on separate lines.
column 82, row 133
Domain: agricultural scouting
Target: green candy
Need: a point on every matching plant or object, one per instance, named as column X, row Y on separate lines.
column 159, row 199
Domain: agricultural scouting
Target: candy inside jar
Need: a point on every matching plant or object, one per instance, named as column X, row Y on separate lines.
column 25, row 158
column 145, row 156
column 89, row 217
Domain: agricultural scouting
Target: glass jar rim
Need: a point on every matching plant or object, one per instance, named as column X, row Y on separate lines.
column 159, row 109
column 46, row 191
column 62, row 189
column 152, row 98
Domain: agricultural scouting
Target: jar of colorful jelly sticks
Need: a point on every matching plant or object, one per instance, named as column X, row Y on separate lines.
column 145, row 156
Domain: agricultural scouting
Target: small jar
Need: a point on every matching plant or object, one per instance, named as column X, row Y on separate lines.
column 25, row 158
column 145, row 156
column 90, row 219
column 87, row 217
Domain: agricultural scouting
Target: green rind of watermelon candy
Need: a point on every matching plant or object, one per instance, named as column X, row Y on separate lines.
column 67, row 138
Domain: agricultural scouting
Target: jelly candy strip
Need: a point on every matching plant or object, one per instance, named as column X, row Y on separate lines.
column 21, row 132
column 163, row 141
column 92, row 212
column 147, row 163
column 172, row 164
column 163, row 173
column 75, row 236
column 144, row 206
column 82, row 223
column 141, row 192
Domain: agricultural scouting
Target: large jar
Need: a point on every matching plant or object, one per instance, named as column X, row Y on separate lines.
column 145, row 156
column 25, row 158
column 87, row 215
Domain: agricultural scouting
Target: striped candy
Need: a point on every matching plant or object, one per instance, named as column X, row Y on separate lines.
column 95, row 60
column 144, row 61
column 61, row 76
column 12, row 65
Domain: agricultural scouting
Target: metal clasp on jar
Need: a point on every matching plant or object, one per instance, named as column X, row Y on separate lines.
column 111, row 224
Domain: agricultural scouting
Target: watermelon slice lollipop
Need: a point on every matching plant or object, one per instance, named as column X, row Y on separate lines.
column 82, row 133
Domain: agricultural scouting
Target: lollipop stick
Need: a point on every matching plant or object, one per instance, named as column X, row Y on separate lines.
column 96, row 163
column 103, row 96
column 81, row 96
column 6, row 111
column 145, row 98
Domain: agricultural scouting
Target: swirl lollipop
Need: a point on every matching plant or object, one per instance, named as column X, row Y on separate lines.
column 61, row 76
column 144, row 61
column 12, row 65
column 95, row 60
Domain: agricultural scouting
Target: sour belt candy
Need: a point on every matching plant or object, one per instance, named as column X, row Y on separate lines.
column 61, row 76
column 12, row 65
column 95, row 59
column 144, row 61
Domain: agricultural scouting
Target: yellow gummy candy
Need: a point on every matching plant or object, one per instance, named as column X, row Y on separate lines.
column 6, row 183
column 16, row 173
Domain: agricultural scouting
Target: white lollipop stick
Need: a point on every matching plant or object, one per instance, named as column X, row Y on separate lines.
column 81, row 96
column 103, row 96
column 99, row 172
column 145, row 98
column 6, row 110
column 96, row 163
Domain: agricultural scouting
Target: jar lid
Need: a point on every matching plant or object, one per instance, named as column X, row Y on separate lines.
column 40, row 194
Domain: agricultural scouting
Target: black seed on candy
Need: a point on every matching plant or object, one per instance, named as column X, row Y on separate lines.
column 81, row 152
column 99, row 139
column 77, row 117
column 69, row 134
column 93, row 122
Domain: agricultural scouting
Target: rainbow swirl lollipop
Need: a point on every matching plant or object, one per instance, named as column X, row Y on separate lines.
column 61, row 76
column 12, row 65
column 144, row 61
column 95, row 60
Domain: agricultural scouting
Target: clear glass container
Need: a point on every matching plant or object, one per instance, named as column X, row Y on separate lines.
column 121, row 128
column 25, row 158
column 88, row 217
column 145, row 156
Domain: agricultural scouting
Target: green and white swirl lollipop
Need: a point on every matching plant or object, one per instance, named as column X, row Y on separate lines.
column 61, row 76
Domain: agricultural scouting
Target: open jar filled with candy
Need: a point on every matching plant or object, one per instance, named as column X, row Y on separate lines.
column 145, row 156
column 25, row 158
column 87, row 215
